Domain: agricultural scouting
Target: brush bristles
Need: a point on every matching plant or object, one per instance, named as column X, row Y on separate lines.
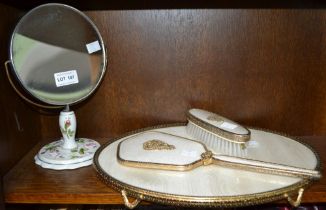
column 215, row 143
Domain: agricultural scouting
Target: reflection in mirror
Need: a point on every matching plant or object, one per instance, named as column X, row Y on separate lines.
column 58, row 56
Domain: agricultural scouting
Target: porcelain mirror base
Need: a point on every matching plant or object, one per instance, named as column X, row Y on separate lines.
column 55, row 156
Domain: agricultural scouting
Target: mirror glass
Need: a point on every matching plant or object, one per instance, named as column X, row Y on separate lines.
column 57, row 54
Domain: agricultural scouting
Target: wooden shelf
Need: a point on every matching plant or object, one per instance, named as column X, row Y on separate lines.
column 29, row 183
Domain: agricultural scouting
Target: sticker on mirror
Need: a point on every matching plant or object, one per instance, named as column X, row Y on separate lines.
column 66, row 78
column 93, row 47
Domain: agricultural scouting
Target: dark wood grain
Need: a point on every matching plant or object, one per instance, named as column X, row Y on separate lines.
column 18, row 122
column 263, row 68
column 171, row 4
column 19, row 125
column 28, row 183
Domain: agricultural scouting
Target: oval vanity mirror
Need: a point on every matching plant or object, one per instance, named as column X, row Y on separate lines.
column 58, row 56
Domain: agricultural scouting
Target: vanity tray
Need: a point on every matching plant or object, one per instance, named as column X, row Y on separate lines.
column 211, row 185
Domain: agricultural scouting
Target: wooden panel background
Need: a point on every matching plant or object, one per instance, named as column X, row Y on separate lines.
column 19, row 125
column 172, row 4
column 263, row 68
column 18, row 122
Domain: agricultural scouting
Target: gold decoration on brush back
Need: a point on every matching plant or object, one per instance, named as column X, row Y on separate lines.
column 157, row 145
column 215, row 118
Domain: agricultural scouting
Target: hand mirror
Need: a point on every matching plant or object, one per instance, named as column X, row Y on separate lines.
column 58, row 57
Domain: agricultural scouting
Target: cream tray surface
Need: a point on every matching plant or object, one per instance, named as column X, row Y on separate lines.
column 210, row 185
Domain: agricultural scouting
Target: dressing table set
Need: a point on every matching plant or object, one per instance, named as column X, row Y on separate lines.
column 59, row 61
